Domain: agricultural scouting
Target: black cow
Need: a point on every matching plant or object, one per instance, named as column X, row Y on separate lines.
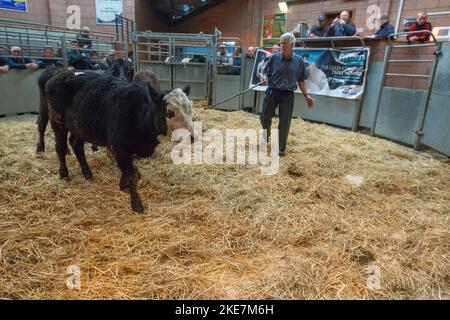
column 120, row 69
column 126, row 118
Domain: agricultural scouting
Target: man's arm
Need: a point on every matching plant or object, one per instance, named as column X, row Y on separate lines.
column 14, row 65
column 350, row 29
column 425, row 36
column 309, row 101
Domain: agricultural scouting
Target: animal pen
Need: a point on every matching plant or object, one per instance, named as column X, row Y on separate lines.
column 359, row 207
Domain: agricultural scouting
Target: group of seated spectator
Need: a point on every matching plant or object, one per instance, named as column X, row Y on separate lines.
column 343, row 27
column 80, row 56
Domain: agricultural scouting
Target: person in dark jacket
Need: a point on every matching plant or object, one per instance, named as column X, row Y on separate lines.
column 421, row 24
column 342, row 26
column 77, row 58
column 96, row 63
column 385, row 29
column 321, row 29
column 48, row 59
column 19, row 61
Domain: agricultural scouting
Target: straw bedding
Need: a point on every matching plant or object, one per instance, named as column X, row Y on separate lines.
column 342, row 204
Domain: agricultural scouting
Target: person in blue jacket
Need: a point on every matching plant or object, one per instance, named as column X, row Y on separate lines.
column 386, row 29
column 19, row 61
column 48, row 59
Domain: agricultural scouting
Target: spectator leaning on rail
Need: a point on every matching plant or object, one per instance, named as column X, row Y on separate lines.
column 321, row 29
column 386, row 28
column 48, row 59
column 420, row 24
column 284, row 71
column 19, row 61
column 77, row 58
column 342, row 26
column 223, row 57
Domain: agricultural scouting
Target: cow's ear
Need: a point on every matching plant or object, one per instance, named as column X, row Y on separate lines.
column 187, row 89
column 153, row 93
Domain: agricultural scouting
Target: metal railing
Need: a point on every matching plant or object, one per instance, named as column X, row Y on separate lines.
column 388, row 61
column 333, row 40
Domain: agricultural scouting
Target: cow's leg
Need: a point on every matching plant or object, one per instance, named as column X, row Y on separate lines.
column 42, row 122
column 61, row 150
column 129, row 178
column 78, row 149
column 137, row 172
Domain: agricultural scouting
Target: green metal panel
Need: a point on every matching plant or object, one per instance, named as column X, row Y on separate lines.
column 225, row 86
column 399, row 114
column 19, row 91
column 162, row 71
column 369, row 100
column 436, row 132
column 194, row 74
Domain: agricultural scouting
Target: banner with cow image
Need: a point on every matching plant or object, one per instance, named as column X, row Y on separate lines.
column 331, row 72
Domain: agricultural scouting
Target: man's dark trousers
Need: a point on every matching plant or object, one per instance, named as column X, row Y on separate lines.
column 284, row 100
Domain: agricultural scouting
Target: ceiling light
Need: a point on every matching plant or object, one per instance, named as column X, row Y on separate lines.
column 283, row 6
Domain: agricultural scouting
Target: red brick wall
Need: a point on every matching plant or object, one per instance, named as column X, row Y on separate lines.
column 53, row 12
column 146, row 19
column 243, row 18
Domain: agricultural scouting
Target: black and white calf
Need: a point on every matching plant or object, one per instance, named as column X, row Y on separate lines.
column 126, row 118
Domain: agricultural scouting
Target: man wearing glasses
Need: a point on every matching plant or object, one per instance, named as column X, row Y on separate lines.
column 420, row 24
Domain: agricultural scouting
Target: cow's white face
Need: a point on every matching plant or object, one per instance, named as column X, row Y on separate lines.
column 179, row 111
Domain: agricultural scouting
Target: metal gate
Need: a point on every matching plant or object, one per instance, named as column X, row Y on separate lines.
column 400, row 113
column 177, row 60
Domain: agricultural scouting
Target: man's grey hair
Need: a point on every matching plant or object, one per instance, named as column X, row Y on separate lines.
column 16, row 48
column 288, row 36
column 385, row 17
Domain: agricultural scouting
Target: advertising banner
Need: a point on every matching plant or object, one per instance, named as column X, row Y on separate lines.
column 14, row 5
column 106, row 11
column 331, row 72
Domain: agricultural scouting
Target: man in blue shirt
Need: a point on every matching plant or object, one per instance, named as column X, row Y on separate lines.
column 342, row 26
column 284, row 71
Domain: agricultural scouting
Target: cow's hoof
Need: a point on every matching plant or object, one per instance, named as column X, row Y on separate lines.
column 137, row 207
column 64, row 177
column 88, row 175
column 40, row 148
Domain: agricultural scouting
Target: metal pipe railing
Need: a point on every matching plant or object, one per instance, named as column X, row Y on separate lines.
column 332, row 40
column 394, row 36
